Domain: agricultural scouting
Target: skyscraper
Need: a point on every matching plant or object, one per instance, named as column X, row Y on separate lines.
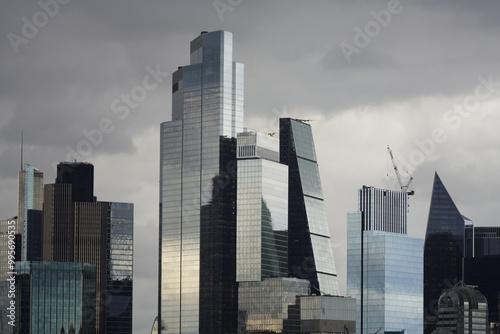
column 78, row 228
column 310, row 253
column 447, row 241
column 262, row 209
column 197, row 260
column 384, row 264
column 30, row 203
column 482, row 269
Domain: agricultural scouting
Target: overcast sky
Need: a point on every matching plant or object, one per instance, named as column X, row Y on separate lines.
column 420, row 76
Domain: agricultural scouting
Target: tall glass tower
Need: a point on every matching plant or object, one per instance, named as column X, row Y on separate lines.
column 30, row 203
column 384, row 264
column 310, row 253
column 197, row 260
column 447, row 242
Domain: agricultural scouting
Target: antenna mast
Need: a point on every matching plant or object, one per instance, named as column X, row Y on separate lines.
column 22, row 144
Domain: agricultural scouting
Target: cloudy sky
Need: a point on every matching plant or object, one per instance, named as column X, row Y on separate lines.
column 420, row 76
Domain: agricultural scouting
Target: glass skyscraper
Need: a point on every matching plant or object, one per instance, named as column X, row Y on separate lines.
column 262, row 209
column 30, row 204
column 78, row 228
column 197, row 260
column 52, row 296
column 310, row 253
column 448, row 240
column 384, row 264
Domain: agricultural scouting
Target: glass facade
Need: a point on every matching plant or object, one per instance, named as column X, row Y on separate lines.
column 446, row 243
column 90, row 231
column 197, row 260
column 30, row 198
column 271, row 305
column 384, row 269
column 310, row 254
column 262, row 209
column 119, row 269
column 51, row 296
column 327, row 314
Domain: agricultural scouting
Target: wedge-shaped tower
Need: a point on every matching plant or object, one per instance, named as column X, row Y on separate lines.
column 310, row 253
column 447, row 241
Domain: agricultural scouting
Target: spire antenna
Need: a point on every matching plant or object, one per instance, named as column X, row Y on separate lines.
column 22, row 144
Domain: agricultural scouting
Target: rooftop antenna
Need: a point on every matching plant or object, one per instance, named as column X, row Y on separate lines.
column 22, row 144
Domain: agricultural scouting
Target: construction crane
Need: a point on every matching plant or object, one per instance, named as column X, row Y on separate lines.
column 404, row 188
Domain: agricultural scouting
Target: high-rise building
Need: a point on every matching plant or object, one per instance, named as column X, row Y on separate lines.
column 462, row 309
column 55, row 296
column 448, row 240
column 482, row 269
column 384, row 264
column 197, row 260
column 262, row 209
column 30, row 204
column 90, row 231
column 310, row 253
column 267, row 298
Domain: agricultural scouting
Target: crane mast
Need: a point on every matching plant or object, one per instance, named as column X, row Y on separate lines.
column 404, row 187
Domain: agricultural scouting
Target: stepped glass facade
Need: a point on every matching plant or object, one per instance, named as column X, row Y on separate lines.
column 197, row 260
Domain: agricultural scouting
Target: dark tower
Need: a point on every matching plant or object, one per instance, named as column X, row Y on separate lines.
column 445, row 247
column 310, row 254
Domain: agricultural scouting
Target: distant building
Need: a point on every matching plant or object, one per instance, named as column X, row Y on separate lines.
column 448, row 240
column 78, row 228
column 463, row 309
column 384, row 264
column 52, row 296
column 30, row 204
column 481, row 270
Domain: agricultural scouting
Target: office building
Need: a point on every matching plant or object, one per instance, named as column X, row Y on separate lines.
column 310, row 253
column 447, row 241
column 267, row 299
column 95, row 232
column 481, row 270
column 486, row 241
column 462, row 309
column 271, row 305
column 29, row 212
column 384, row 264
column 197, row 261
column 327, row 314
column 55, row 296
column 262, row 209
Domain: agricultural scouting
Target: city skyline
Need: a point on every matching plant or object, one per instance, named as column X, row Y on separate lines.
column 396, row 90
